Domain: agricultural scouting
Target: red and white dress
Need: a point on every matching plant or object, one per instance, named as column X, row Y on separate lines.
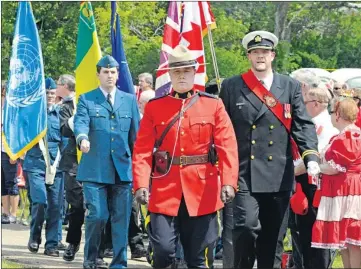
column 338, row 219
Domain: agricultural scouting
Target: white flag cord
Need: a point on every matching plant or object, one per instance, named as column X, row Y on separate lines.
column 50, row 169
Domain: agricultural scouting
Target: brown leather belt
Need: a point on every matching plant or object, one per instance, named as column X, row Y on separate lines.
column 187, row 160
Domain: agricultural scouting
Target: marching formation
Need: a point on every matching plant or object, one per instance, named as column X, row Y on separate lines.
column 230, row 168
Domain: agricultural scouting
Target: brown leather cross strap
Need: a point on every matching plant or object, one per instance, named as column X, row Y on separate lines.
column 187, row 160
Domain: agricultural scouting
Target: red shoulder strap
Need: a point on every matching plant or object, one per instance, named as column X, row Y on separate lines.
column 272, row 103
column 267, row 98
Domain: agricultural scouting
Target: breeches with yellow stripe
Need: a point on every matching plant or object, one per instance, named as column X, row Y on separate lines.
column 198, row 236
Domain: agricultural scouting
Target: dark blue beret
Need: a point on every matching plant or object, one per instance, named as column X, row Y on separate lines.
column 108, row 62
column 50, row 84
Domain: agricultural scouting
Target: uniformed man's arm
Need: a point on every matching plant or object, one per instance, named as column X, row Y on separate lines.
column 134, row 124
column 65, row 114
column 302, row 129
column 143, row 151
column 226, row 145
column 81, row 121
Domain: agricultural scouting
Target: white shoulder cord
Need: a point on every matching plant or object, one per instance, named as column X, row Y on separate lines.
column 175, row 143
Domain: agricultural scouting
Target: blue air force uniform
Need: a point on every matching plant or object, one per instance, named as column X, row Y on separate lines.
column 46, row 199
column 106, row 169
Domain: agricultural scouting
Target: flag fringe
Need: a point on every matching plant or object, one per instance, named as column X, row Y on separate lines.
column 21, row 152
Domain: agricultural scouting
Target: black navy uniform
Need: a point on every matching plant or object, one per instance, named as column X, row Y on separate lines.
column 266, row 170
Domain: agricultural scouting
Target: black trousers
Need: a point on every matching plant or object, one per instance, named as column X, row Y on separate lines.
column 135, row 235
column 227, row 220
column 260, row 224
column 198, row 236
column 312, row 257
column 74, row 196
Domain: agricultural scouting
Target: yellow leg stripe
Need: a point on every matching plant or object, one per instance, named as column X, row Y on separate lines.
column 206, row 256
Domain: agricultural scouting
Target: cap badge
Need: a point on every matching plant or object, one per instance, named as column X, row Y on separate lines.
column 257, row 39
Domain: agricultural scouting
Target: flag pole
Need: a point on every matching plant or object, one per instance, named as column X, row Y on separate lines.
column 214, row 59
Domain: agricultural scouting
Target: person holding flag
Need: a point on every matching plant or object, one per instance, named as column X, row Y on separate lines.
column 105, row 127
column 186, row 129
column 46, row 187
column 266, row 110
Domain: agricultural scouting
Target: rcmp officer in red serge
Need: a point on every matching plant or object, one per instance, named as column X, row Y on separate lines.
column 267, row 111
column 186, row 191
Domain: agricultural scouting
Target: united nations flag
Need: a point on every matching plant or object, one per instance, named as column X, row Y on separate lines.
column 24, row 115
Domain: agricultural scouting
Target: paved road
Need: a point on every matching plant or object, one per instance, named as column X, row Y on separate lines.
column 14, row 248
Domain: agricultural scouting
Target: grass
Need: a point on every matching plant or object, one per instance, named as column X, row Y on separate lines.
column 9, row 264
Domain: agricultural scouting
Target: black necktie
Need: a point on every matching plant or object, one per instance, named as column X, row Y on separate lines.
column 109, row 97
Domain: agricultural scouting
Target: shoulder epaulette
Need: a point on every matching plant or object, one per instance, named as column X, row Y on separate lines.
column 201, row 93
column 158, row 97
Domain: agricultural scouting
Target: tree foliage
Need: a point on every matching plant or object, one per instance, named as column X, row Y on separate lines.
column 312, row 34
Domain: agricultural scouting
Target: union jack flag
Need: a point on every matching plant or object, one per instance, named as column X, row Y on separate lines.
column 186, row 24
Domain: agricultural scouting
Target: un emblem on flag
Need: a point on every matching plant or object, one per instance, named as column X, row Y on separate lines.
column 25, row 75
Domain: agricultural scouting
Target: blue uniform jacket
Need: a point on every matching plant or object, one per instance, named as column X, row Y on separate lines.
column 34, row 160
column 111, row 132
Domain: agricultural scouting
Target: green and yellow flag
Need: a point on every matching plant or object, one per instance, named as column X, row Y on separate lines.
column 88, row 51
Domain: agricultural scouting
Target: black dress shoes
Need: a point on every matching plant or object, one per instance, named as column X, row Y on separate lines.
column 69, row 253
column 33, row 246
column 139, row 253
column 51, row 252
column 108, row 253
column 102, row 264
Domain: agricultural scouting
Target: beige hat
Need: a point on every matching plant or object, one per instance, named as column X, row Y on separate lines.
column 181, row 57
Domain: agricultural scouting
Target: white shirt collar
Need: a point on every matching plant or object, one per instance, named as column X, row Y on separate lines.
column 320, row 118
column 112, row 94
column 268, row 81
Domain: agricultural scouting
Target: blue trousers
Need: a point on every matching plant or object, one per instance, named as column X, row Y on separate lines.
column 46, row 201
column 103, row 200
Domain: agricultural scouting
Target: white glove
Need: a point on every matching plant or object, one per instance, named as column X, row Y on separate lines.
column 313, row 169
column 71, row 123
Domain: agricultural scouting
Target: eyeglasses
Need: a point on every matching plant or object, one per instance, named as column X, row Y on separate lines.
column 311, row 101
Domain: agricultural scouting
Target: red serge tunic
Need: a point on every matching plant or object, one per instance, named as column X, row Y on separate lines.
column 338, row 219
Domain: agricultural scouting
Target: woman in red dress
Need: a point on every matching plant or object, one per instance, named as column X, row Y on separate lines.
column 338, row 223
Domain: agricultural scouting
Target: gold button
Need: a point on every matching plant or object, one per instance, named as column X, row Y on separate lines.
column 162, row 122
column 271, row 142
column 182, row 133
column 182, row 149
column 253, row 142
column 182, row 117
column 112, row 128
column 254, row 127
column 271, row 127
column 203, row 122
column 211, row 174
column 270, row 158
column 180, row 166
column 112, row 150
column 252, row 157
column 113, row 117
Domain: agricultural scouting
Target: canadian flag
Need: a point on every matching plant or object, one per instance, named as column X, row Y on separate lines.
column 186, row 24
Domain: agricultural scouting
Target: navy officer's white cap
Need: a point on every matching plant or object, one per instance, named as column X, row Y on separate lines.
column 259, row 40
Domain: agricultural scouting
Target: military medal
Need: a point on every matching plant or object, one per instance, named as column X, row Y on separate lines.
column 287, row 111
column 270, row 101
